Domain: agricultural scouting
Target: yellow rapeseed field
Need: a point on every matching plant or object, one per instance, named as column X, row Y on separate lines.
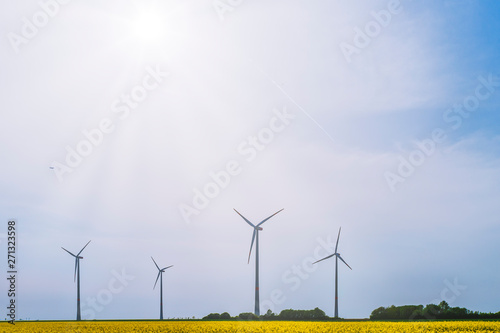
column 258, row 327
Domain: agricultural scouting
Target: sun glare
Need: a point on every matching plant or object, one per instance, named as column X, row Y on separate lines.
column 154, row 29
column 149, row 26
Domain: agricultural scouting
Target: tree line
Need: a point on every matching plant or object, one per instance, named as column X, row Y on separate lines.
column 289, row 314
column 404, row 312
column 430, row 311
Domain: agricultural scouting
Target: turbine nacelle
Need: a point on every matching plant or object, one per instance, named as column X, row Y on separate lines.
column 160, row 271
column 256, row 228
column 335, row 254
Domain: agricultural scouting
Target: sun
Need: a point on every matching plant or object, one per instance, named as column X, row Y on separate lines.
column 154, row 29
column 149, row 26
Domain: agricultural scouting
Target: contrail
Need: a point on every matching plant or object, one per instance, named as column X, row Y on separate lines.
column 291, row 99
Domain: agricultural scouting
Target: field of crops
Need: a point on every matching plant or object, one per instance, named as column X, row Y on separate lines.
column 239, row 326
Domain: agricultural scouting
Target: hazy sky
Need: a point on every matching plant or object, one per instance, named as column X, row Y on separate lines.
column 140, row 125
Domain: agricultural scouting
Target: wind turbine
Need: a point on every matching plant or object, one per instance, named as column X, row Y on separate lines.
column 337, row 256
column 77, row 277
column 160, row 276
column 255, row 237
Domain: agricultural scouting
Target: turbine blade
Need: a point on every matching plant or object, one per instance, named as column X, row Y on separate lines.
column 251, row 246
column 270, row 217
column 331, row 255
column 337, row 245
column 156, row 264
column 338, row 255
column 157, row 277
column 68, row 251
column 251, row 224
column 163, row 269
column 83, row 248
column 76, row 265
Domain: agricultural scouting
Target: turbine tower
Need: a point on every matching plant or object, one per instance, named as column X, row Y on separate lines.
column 77, row 277
column 337, row 256
column 255, row 237
column 160, row 276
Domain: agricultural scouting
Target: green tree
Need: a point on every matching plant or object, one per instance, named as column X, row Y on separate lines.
column 269, row 315
column 432, row 311
column 318, row 314
column 444, row 306
column 290, row 314
column 409, row 311
column 247, row 316
column 225, row 316
column 212, row 316
column 378, row 314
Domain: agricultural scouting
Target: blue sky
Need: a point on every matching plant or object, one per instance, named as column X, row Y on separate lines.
column 140, row 106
